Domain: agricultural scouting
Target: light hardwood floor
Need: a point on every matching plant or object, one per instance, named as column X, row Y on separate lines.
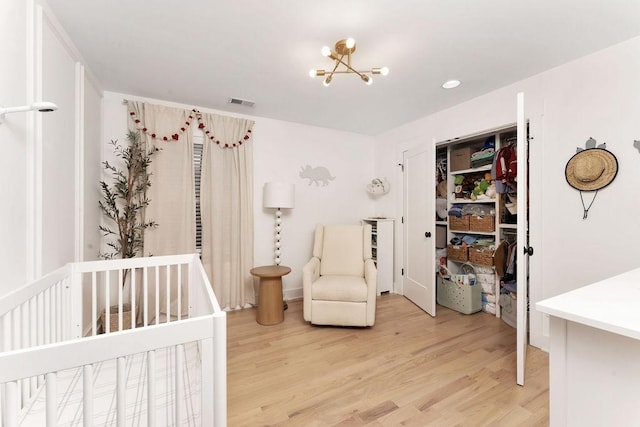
column 408, row 369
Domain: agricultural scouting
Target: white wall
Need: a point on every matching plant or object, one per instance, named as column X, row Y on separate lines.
column 40, row 167
column 281, row 149
column 596, row 96
column 13, row 148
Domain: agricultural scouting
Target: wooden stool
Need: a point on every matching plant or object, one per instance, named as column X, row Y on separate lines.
column 270, row 307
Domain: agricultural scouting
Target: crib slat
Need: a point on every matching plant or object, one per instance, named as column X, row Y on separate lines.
column 25, row 386
column 120, row 393
column 33, row 338
column 11, row 405
column 107, row 304
column 151, row 388
column 60, row 312
column 179, row 291
column 157, row 295
column 87, row 395
column 145, row 295
column 15, row 345
column 168, row 293
column 6, row 332
column 41, row 321
column 94, row 304
column 120, row 282
column 179, row 393
column 51, row 400
column 133, row 298
column 47, row 316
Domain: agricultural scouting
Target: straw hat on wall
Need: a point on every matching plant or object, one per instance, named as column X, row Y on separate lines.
column 591, row 169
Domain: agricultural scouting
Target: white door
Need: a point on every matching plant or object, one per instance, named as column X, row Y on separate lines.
column 419, row 227
column 524, row 251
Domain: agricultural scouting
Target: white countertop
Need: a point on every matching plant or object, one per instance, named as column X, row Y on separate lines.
column 612, row 305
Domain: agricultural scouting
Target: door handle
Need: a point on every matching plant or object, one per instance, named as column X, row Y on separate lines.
column 427, row 234
column 528, row 250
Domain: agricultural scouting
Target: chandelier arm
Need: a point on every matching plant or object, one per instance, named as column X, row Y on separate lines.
column 353, row 70
column 338, row 60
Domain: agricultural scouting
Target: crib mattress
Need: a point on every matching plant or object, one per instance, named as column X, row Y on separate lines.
column 69, row 392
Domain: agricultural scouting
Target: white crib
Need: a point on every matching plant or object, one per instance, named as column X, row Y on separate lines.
column 53, row 350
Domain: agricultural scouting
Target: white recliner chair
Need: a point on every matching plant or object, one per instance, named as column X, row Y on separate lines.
column 339, row 282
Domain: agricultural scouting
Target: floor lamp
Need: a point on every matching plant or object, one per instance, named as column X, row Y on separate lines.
column 278, row 195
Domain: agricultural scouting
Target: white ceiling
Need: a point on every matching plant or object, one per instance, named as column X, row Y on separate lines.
column 202, row 52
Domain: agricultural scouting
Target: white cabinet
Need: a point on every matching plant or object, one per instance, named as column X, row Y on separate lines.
column 382, row 250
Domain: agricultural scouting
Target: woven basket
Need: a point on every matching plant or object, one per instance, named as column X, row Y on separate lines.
column 481, row 256
column 113, row 318
column 457, row 253
column 461, row 224
column 486, row 223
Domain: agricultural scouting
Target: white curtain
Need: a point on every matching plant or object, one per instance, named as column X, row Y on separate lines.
column 172, row 191
column 226, row 203
column 226, row 198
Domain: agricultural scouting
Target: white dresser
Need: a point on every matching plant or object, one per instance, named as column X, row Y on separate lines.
column 594, row 353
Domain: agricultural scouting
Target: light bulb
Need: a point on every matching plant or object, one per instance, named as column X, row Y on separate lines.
column 367, row 79
column 327, row 81
column 312, row 73
column 326, row 51
column 384, row 71
column 350, row 43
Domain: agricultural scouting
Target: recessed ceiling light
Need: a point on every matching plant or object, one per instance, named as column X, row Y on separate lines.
column 450, row 84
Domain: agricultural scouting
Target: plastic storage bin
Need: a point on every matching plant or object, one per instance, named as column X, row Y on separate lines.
column 466, row 299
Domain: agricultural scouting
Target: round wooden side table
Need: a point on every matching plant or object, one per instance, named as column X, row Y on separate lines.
column 270, row 308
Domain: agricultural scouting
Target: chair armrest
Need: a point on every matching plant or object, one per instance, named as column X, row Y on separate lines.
column 371, row 279
column 310, row 273
column 370, row 273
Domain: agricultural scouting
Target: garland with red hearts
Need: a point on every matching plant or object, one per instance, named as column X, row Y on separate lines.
column 176, row 136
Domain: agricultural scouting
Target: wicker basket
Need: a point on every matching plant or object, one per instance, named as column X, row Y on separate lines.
column 457, row 253
column 113, row 318
column 481, row 256
column 459, row 224
column 486, row 223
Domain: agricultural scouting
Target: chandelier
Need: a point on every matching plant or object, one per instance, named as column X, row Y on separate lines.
column 344, row 48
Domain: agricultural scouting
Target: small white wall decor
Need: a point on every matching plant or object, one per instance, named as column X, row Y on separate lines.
column 378, row 186
column 316, row 175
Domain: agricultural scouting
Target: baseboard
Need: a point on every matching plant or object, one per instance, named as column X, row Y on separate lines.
column 292, row 294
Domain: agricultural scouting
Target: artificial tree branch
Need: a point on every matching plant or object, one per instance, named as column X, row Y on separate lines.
column 123, row 201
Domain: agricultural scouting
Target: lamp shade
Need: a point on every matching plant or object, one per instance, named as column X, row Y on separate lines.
column 278, row 195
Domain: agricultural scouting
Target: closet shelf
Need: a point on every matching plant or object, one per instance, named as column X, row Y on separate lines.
column 454, row 201
column 471, row 170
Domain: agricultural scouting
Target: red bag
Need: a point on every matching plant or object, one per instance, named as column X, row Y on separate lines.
column 506, row 164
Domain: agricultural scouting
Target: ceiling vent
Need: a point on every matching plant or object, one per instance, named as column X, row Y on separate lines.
column 239, row 101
